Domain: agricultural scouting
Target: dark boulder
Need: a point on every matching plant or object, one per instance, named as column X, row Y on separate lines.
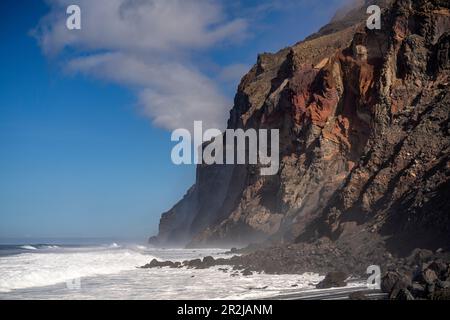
column 389, row 280
column 418, row 290
column 333, row 280
column 439, row 267
column 196, row 263
column 394, row 279
column 394, row 283
column 247, row 272
column 160, row 264
column 208, row 261
column 399, row 289
column 443, row 284
column 427, row 276
column 221, row 262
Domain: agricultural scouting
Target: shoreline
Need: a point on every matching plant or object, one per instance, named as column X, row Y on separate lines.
column 423, row 274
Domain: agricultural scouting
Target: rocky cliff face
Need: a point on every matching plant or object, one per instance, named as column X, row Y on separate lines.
column 364, row 140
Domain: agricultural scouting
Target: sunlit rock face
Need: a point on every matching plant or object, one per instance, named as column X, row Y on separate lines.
column 364, row 139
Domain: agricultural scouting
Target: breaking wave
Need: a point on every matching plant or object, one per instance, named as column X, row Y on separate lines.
column 36, row 269
column 28, row 247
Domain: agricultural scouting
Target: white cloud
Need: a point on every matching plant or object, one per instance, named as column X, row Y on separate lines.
column 145, row 44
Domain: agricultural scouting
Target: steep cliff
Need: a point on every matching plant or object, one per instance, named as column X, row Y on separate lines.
column 364, row 139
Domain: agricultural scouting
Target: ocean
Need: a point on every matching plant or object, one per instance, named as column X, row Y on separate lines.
column 111, row 271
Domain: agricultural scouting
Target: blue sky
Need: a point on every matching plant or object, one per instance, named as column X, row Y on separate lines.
column 85, row 121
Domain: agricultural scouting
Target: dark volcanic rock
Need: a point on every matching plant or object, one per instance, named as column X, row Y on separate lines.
column 427, row 276
column 333, row 280
column 390, row 279
column 196, row 263
column 160, row 264
column 443, row 294
column 418, row 290
column 429, row 281
column 419, row 256
column 443, row 284
column 400, row 288
column 208, row 261
column 247, row 272
column 439, row 267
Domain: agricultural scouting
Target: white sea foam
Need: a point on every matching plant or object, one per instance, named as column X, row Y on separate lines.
column 43, row 269
column 111, row 273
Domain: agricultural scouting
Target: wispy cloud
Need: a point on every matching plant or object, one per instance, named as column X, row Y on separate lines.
column 146, row 45
column 160, row 48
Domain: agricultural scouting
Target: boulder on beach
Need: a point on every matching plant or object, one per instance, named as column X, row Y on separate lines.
column 247, row 272
column 333, row 280
column 160, row 264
